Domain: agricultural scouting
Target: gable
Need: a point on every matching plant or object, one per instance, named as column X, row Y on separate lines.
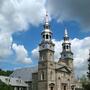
column 63, row 69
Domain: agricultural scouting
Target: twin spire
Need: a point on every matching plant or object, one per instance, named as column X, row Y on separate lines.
column 47, row 23
column 46, row 34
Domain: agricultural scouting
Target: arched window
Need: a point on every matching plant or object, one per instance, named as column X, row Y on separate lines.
column 72, row 87
column 52, row 85
column 67, row 46
column 42, row 75
column 47, row 36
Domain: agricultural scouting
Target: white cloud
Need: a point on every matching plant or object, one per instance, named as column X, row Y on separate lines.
column 80, row 48
column 77, row 10
column 21, row 54
column 35, row 53
column 58, row 48
column 5, row 45
column 15, row 16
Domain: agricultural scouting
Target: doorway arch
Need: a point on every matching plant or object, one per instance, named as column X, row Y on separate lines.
column 52, row 86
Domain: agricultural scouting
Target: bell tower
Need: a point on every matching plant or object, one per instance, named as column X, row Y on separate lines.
column 66, row 54
column 46, row 70
column 46, row 47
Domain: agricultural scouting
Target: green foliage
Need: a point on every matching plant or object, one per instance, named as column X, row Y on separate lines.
column 3, row 86
column 88, row 73
column 85, row 83
column 5, row 73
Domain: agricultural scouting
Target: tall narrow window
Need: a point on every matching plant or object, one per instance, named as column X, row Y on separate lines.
column 42, row 75
column 47, row 36
column 67, row 47
column 51, row 75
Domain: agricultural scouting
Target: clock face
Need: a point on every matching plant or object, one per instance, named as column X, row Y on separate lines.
column 46, row 46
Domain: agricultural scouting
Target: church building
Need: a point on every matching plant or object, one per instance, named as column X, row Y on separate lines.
column 54, row 75
column 51, row 75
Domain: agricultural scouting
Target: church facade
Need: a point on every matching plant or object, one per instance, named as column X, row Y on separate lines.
column 53, row 75
column 50, row 75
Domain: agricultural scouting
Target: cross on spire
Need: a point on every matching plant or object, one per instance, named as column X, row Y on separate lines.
column 65, row 33
column 46, row 18
column 46, row 25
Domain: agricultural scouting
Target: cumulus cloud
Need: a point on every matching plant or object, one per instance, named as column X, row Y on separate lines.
column 5, row 45
column 35, row 53
column 80, row 48
column 16, row 16
column 71, row 10
column 21, row 54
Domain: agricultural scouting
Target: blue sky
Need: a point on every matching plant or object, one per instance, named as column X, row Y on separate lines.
column 21, row 27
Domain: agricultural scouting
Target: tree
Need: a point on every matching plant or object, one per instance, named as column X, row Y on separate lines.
column 86, row 83
column 88, row 73
column 3, row 86
column 5, row 73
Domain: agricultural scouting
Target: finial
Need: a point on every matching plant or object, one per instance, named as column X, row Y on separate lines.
column 46, row 18
column 66, row 33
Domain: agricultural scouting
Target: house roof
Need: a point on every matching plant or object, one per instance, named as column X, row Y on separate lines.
column 13, row 81
column 24, row 73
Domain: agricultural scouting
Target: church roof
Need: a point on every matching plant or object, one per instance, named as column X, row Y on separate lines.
column 24, row 73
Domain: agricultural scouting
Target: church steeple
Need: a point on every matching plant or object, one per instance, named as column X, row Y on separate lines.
column 66, row 54
column 46, row 46
column 66, row 44
column 46, row 34
column 66, row 37
column 46, row 57
column 47, row 21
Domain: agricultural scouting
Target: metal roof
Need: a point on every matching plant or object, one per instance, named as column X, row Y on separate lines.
column 13, row 81
column 24, row 73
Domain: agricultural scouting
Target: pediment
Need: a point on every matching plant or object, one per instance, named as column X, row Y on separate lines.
column 64, row 69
